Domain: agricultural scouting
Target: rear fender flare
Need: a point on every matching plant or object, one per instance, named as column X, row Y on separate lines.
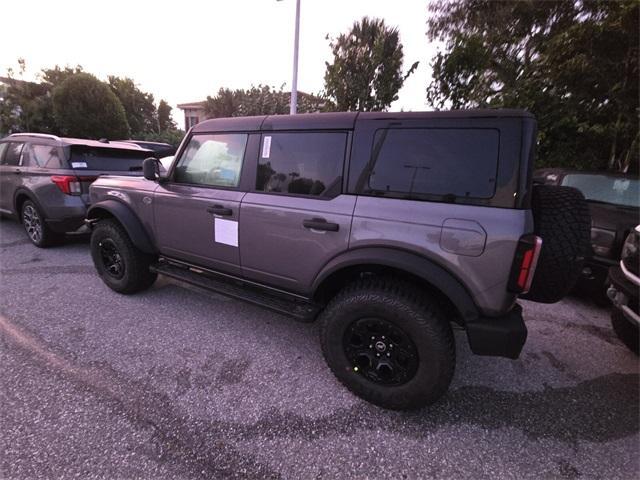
column 414, row 264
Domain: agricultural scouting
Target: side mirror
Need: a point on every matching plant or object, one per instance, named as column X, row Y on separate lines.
column 151, row 168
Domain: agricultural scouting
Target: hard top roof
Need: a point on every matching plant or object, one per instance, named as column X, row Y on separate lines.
column 340, row 120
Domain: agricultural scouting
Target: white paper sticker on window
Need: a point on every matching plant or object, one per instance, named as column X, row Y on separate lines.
column 266, row 147
column 225, row 231
column 78, row 164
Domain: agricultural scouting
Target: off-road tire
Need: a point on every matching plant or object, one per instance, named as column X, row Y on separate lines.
column 136, row 276
column 626, row 331
column 44, row 237
column 410, row 309
column 561, row 218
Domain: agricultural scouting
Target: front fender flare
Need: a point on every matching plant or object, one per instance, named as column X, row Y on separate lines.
column 128, row 219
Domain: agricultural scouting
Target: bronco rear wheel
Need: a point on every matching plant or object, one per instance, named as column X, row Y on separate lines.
column 388, row 343
column 122, row 266
column 561, row 218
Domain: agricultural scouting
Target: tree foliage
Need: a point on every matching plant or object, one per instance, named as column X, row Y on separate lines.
column 85, row 107
column 366, row 72
column 574, row 64
column 138, row 105
column 261, row 100
column 165, row 122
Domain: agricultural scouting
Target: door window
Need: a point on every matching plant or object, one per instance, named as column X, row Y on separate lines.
column 40, row 155
column 302, row 163
column 213, row 160
column 3, row 147
column 12, row 155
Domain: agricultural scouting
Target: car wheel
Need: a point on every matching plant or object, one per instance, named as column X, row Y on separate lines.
column 122, row 266
column 627, row 332
column 387, row 343
column 36, row 227
column 561, row 218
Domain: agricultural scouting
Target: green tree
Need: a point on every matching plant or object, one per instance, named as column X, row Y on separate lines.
column 165, row 122
column 85, row 107
column 138, row 105
column 574, row 64
column 261, row 100
column 366, row 72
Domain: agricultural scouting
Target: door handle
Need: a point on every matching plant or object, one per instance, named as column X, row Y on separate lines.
column 320, row 224
column 220, row 210
column 17, row 171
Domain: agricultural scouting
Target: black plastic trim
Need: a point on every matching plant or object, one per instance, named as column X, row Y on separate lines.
column 498, row 336
column 129, row 221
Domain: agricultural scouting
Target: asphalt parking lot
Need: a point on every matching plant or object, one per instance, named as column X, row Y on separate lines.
column 179, row 383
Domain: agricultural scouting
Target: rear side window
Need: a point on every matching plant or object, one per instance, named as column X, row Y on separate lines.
column 418, row 163
column 3, row 148
column 212, row 159
column 40, row 156
column 302, row 163
column 107, row 159
column 12, row 155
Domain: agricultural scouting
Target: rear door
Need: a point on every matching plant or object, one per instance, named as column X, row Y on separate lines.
column 197, row 211
column 10, row 174
column 296, row 219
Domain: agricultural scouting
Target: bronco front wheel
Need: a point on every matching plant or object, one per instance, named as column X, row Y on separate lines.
column 122, row 266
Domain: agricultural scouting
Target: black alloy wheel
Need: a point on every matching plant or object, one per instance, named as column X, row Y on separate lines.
column 380, row 351
column 111, row 258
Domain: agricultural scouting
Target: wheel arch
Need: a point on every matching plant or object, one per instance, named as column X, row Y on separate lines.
column 127, row 218
column 22, row 195
column 450, row 293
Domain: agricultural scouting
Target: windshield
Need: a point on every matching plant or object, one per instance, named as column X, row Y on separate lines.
column 604, row 188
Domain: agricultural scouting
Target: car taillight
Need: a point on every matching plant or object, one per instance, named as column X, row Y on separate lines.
column 524, row 263
column 68, row 184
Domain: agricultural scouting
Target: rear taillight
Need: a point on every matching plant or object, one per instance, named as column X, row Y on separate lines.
column 524, row 263
column 68, row 184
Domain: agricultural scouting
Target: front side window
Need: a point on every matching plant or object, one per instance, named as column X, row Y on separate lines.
column 419, row 162
column 302, row 163
column 212, row 159
column 3, row 148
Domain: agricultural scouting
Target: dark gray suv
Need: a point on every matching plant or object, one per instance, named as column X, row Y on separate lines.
column 388, row 227
column 44, row 179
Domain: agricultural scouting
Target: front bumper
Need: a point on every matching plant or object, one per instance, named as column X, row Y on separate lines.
column 623, row 293
column 498, row 336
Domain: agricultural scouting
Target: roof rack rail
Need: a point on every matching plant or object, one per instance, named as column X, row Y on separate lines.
column 41, row 135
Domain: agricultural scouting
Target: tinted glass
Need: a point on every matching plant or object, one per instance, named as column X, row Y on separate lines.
column 214, row 160
column 460, row 162
column 3, row 147
column 305, row 163
column 107, row 159
column 12, row 155
column 607, row 189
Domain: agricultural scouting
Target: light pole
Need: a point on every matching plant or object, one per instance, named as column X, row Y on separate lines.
column 294, row 83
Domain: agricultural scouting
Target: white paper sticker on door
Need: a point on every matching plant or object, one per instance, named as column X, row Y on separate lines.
column 225, row 231
column 266, row 147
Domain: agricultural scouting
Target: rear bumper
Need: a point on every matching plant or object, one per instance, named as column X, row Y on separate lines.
column 502, row 336
column 64, row 225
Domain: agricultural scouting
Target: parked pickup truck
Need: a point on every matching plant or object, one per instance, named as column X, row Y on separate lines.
column 388, row 228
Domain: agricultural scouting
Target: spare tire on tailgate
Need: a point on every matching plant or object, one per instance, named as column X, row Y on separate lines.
column 561, row 218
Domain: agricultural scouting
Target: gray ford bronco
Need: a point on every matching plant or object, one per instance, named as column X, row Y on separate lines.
column 389, row 228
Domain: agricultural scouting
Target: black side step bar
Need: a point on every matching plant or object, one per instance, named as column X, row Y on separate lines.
column 290, row 305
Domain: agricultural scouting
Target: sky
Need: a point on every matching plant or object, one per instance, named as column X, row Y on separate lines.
column 182, row 51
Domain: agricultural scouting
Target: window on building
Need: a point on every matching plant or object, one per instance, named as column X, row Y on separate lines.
column 191, row 120
column 441, row 162
column 214, row 160
column 303, row 163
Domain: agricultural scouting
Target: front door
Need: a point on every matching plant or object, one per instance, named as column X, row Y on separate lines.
column 297, row 219
column 196, row 212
